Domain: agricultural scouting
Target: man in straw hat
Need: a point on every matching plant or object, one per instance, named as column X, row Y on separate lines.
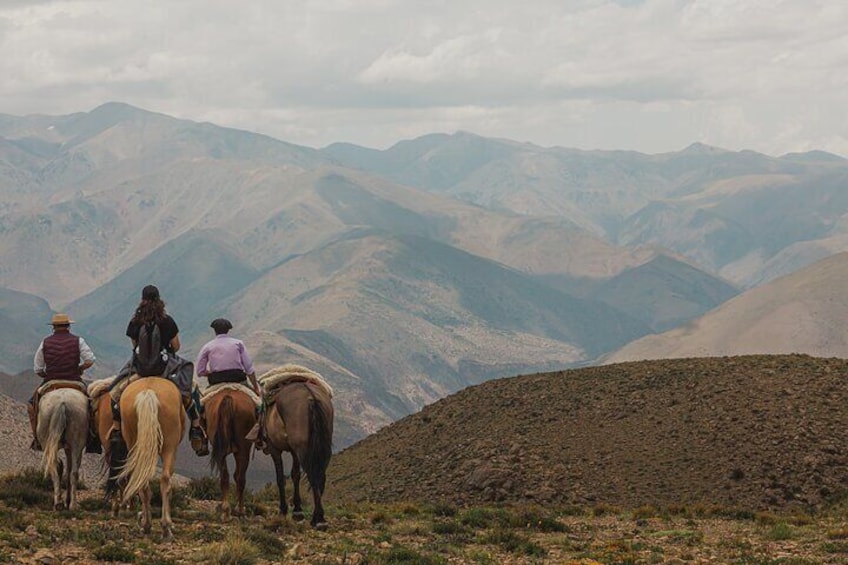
column 61, row 356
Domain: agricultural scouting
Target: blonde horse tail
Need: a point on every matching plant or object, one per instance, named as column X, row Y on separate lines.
column 55, row 431
column 143, row 457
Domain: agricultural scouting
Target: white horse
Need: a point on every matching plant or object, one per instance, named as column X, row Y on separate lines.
column 63, row 424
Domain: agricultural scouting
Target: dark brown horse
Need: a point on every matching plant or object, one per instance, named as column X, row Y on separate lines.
column 299, row 420
column 230, row 414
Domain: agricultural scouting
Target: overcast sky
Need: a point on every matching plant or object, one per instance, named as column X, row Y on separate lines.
column 649, row 75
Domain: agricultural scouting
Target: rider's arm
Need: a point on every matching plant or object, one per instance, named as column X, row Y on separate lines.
column 175, row 344
column 202, row 361
column 38, row 364
column 252, row 377
column 86, row 355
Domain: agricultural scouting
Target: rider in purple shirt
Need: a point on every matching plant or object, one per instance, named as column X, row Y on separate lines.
column 225, row 359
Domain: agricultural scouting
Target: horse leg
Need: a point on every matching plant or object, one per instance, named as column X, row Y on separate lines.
column 242, row 457
column 297, row 512
column 224, row 472
column 318, row 522
column 168, row 457
column 144, row 515
column 72, row 480
column 58, row 503
column 277, row 458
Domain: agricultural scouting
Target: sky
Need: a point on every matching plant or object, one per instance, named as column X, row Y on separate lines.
column 645, row 75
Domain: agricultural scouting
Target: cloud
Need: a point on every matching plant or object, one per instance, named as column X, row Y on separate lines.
column 670, row 72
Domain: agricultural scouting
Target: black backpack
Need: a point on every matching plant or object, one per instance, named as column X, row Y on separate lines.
column 150, row 358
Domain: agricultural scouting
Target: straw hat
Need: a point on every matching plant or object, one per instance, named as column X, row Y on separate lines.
column 61, row 320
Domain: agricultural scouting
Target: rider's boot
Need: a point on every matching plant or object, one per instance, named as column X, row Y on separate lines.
column 116, row 440
column 257, row 432
column 92, row 443
column 196, row 434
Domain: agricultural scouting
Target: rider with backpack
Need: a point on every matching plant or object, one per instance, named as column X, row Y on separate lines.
column 155, row 339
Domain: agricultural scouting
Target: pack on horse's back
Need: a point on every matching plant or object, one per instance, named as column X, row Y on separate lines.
column 149, row 357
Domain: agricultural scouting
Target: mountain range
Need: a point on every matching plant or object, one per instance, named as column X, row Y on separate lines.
column 402, row 275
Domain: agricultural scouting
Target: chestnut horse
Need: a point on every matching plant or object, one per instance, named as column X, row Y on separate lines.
column 63, row 425
column 153, row 424
column 230, row 414
column 98, row 391
column 299, row 420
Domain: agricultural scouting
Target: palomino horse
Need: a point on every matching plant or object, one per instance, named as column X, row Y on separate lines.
column 230, row 414
column 299, row 420
column 152, row 426
column 63, row 424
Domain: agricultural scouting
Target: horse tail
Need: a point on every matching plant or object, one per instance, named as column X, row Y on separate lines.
column 144, row 455
column 320, row 447
column 55, row 430
column 225, row 433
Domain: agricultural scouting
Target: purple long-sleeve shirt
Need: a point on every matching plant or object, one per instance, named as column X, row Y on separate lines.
column 223, row 353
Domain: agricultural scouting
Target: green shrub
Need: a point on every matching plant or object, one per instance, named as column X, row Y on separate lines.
column 204, row 488
column 514, row 543
column 26, row 488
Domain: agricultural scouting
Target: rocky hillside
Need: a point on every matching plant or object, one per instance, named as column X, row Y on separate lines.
column 752, row 432
column 15, row 437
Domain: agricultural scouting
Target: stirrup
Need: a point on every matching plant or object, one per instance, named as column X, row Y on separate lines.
column 199, row 441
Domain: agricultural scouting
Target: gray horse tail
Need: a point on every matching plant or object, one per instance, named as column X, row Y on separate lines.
column 55, row 430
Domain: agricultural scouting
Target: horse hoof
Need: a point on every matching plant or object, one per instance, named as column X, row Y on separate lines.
column 59, row 506
column 167, row 536
column 297, row 516
column 321, row 526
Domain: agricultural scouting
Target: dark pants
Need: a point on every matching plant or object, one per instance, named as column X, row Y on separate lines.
column 228, row 376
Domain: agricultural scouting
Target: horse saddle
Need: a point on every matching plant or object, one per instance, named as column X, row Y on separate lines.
column 56, row 384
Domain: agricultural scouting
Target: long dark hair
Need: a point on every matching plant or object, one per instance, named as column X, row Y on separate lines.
column 149, row 311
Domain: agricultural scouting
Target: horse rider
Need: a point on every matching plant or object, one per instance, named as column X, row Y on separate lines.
column 225, row 359
column 152, row 324
column 61, row 356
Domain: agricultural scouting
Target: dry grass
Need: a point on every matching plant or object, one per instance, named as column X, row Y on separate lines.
column 408, row 533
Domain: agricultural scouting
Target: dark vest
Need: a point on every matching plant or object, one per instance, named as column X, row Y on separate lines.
column 62, row 357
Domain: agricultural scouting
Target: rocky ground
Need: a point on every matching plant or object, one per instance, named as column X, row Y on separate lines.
column 410, row 533
column 755, row 432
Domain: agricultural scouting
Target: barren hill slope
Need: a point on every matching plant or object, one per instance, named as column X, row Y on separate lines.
column 752, row 432
column 804, row 312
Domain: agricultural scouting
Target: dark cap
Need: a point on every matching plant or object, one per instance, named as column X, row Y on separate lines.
column 221, row 325
column 150, row 292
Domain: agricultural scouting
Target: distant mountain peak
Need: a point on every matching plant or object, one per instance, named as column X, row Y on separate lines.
column 813, row 156
column 699, row 148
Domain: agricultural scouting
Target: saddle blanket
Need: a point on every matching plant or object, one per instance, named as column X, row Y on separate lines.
column 212, row 390
column 98, row 387
column 273, row 379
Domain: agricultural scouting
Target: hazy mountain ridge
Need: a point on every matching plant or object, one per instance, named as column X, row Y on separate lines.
column 803, row 312
column 403, row 293
column 716, row 207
